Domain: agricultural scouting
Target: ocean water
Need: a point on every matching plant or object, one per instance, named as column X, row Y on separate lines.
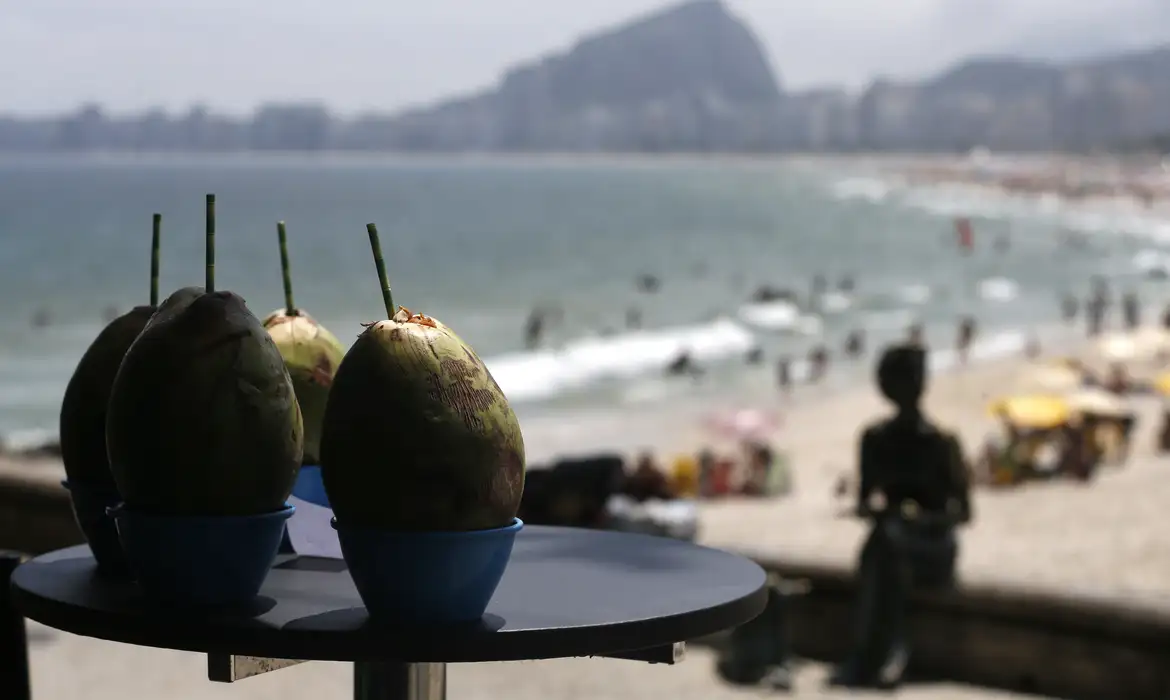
column 479, row 243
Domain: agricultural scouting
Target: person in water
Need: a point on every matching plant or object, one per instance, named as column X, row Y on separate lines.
column 1097, row 307
column 683, row 364
column 534, row 329
column 818, row 364
column 1069, row 306
column 784, row 374
column 967, row 332
column 816, row 292
column 855, row 344
column 41, row 319
column 919, row 472
column 1131, row 308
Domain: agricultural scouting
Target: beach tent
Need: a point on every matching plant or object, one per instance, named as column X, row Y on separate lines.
column 1035, row 411
column 1098, row 402
column 1143, row 343
column 1052, row 376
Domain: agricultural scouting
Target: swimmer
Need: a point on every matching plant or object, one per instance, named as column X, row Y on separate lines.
column 784, row 374
column 1131, row 310
column 855, row 344
column 1069, row 306
column 41, row 319
column 818, row 364
column 533, row 329
column 966, row 337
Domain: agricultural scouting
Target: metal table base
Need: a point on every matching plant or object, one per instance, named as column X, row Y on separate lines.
column 398, row 681
column 392, row 680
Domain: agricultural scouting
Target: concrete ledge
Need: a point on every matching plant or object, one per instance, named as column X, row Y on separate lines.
column 35, row 513
column 1081, row 645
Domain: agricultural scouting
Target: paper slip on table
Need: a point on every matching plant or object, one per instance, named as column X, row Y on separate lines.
column 566, row 592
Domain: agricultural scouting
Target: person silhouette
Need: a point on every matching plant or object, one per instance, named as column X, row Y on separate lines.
column 917, row 472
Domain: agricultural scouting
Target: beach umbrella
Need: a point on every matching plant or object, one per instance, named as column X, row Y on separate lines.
column 744, row 423
column 1162, row 383
column 1098, row 402
column 1035, row 411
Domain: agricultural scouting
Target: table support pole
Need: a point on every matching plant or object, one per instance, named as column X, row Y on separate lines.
column 382, row 680
column 14, row 675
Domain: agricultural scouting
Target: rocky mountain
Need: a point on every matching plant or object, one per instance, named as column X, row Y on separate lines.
column 692, row 77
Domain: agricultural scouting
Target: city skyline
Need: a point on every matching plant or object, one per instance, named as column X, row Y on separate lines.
column 130, row 55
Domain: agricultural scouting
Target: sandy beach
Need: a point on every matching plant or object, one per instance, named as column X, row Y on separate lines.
column 1103, row 536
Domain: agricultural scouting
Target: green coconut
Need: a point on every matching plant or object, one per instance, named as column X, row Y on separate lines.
column 202, row 418
column 83, row 408
column 311, row 354
column 417, row 435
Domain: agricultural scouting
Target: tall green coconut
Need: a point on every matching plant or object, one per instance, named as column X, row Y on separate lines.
column 417, row 435
column 311, row 354
column 202, row 417
column 83, row 408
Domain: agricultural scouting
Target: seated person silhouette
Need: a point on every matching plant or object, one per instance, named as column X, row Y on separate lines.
column 919, row 473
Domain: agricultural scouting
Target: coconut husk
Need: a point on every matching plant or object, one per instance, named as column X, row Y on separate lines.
column 312, row 355
column 417, row 435
column 83, row 408
column 202, row 416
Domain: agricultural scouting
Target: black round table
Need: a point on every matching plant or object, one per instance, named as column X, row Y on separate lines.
column 566, row 592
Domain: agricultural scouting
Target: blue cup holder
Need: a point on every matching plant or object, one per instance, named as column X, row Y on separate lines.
column 310, row 487
column 90, row 506
column 426, row 578
column 205, row 561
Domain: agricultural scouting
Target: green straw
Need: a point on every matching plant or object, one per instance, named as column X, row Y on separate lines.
column 154, row 246
column 375, row 246
column 209, row 266
column 289, row 308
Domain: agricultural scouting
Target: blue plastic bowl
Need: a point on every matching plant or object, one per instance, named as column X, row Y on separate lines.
column 426, row 577
column 309, row 486
column 89, row 510
column 206, row 561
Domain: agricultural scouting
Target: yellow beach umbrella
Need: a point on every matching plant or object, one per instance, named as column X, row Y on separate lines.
column 1037, row 411
column 1162, row 383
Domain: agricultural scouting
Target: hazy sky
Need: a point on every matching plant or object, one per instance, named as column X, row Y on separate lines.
column 383, row 54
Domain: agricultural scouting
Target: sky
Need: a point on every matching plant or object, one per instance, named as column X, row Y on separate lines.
column 359, row 55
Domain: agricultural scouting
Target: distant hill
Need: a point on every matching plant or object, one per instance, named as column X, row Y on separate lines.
column 693, row 77
column 1012, row 104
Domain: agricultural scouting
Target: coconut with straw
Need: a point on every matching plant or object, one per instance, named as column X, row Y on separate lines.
column 202, row 416
column 83, row 408
column 417, row 435
column 310, row 352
